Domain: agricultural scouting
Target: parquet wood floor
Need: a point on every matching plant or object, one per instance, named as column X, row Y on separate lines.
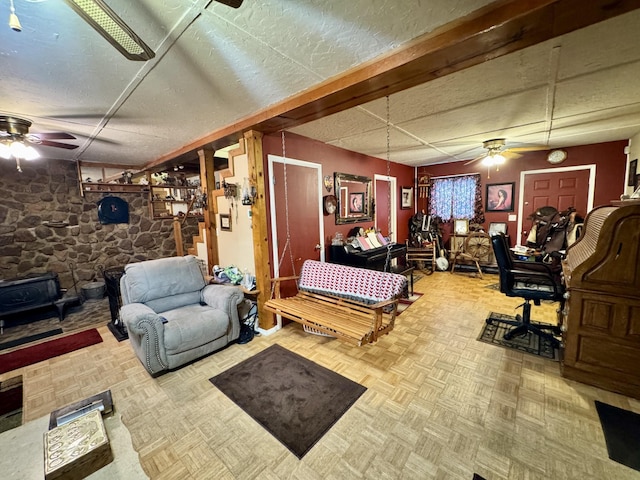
column 439, row 404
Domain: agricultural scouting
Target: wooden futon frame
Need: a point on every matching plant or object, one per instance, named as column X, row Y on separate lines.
column 355, row 305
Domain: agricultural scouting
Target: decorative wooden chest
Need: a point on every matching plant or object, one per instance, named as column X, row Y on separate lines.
column 76, row 449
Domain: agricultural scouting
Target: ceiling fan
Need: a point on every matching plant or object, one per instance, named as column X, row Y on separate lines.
column 108, row 24
column 15, row 139
column 496, row 154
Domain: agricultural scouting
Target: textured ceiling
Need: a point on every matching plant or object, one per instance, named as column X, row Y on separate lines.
column 215, row 65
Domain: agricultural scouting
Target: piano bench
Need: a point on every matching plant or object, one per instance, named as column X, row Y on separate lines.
column 355, row 305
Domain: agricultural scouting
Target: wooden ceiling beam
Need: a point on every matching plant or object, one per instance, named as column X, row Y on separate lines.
column 500, row 28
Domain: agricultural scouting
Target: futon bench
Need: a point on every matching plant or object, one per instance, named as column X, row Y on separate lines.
column 353, row 304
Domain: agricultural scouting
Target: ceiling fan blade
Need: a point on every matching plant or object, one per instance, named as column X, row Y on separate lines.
column 479, row 157
column 48, row 143
column 533, row 148
column 510, row 154
column 53, row 136
column 231, row 3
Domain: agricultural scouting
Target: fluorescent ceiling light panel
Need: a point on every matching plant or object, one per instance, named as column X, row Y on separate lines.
column 107, row 23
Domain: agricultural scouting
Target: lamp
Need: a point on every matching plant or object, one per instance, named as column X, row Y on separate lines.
column 14, row 22
column 107, row 23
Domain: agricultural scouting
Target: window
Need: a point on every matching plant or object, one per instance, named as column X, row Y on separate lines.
column 455, row 197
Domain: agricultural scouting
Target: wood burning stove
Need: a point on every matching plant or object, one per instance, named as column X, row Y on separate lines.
column 29, row 293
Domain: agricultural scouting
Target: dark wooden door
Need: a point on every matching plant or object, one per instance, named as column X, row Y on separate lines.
column 560, row 189
column 303, row 217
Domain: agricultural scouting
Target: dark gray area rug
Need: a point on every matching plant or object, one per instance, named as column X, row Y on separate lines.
column 293, row 398
column 494, row 334
column 621, row 433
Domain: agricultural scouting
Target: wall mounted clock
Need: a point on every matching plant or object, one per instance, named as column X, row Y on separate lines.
column 329, row 203
column 556, row 156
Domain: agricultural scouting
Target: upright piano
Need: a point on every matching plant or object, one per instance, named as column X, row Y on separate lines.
column 601, row 319
column 373, row 259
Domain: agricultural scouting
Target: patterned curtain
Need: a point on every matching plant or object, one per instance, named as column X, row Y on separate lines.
column 478, row 212
column 457, row 197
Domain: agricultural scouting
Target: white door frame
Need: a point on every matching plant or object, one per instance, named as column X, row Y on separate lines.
column 524, row 173
column 272, row 205
column 393, row 203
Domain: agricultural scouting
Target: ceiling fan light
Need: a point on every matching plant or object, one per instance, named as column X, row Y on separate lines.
column 498, row 159
column 107, row 23
column 5, row 151
column 18, row 149
column 488, row 161
column 14, row 22
column 30, row 153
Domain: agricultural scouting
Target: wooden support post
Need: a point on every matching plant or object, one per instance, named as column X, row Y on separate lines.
column 260, row 232
column 177, row 235
column 208, row 186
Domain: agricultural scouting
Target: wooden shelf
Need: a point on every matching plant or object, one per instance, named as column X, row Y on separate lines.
column 114, row 187
column 161, row 207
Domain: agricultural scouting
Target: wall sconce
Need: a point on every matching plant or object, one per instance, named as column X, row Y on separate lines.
column 248, row 192
column 230, row 190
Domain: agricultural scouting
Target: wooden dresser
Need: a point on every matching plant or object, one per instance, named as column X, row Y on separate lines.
column 601, row 319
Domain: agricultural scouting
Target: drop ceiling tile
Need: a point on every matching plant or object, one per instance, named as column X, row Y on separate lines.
column 495, row 115
column 600, row 46
column 598, row 91
column 512, row 74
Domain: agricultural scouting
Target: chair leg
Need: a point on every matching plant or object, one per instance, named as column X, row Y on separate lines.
column 525, row 326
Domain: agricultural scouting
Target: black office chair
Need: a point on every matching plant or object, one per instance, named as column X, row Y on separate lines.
column 532, row 281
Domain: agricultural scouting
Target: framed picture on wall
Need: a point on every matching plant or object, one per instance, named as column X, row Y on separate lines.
column 499, row 197
column 356, row 202
column 461, row 226
column 406, row 197
column 633, row 167
column 225, row 222
column 497, row 227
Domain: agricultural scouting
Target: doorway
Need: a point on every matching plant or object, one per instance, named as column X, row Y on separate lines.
column 561, row 188
column 385, row 193
column 301, row 181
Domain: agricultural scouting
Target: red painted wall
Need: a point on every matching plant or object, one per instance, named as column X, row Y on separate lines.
column 335, row 159
column 609, row 159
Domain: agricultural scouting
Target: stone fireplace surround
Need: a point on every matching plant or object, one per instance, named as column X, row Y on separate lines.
column 47, row 226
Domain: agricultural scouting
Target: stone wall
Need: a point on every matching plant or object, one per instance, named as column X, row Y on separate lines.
column 47, row 192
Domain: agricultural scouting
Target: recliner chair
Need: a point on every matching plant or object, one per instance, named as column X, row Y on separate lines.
column 532, row 281
column 173, row 316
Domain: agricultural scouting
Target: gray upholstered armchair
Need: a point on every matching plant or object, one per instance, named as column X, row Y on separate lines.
column 172, row 315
